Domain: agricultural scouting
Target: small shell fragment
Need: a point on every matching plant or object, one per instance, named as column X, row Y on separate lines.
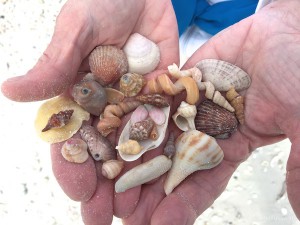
column 75, row 150
column 157, row 115
column 59, row 120
column 114, row 96
column 131, row 84
column 139, row 114
column 112, row 168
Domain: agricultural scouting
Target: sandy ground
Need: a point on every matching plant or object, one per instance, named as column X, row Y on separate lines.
column 29, row 193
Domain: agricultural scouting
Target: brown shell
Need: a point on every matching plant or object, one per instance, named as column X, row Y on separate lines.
column 214, row 120
column 59, row 120
column 153, row 99
column 237, row 102
column 141, row 130
column 131, row 84
column 108, row 64
column 170, row 149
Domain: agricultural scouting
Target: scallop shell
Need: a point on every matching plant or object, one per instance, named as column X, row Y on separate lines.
column 194, row 151
column 75, row 150
column 90, row 95
column 214, row 120
column 130, row 147
column 112, row 168
column 58, row 120
column 143, row 55
column 184, row 118
column 131, row 84
column 54, row 106
column 146, row 144
column 108, row 64
column 141, row 130
column 153, row 99
column 224, row 75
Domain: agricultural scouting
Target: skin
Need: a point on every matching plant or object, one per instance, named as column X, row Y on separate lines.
column 266, row 46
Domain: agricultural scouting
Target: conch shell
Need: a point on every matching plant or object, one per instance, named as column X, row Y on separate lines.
column 237, row 102
column 194, row 151
column 54, row 106
column 75, row 150
column 143, row 173
column 184, row 118
column 143, row 55
column 112, row 168
column 131, row 84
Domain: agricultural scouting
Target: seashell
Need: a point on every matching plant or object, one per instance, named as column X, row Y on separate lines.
column 194, row 151
column 142, row 54
column 139, row 114
column 100, row 147
column 193, row 72
column 154, row 133
column 90, row 95
column 184, row 118
column 141, row 130
column 112, row 168
column 54, row 106
column 157, row 115
column 114, row 96
column 169, row 149
column 108, row 64
column 146, row 144
column 131, row 84
column 237, row 103
column 75, row 150
column 215, row 120
column 223, row 75
column 153, row 99
column 58, row 120
column 130, row 147
column 143, row 173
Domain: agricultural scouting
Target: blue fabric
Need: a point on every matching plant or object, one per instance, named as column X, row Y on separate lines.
column 211, row 18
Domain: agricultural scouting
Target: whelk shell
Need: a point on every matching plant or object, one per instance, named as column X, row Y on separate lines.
column 214, row 120
column 108, row 64
column 141, row 130
column 54, row 106
column 112, row 168
column 143, row 55
column 237, row 102
column 75, row 150
column 130, row 147
column 184, row 118
column 224, row 75
column 131, row 84
column 194, row 151
column 58, row 120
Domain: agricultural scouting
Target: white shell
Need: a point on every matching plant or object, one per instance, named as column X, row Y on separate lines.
column 194, row 151
column 75, row 150
column 143, row 173
column 184, row 118
column 142, row 54
column 223, row 75
column 112, row 168
column 146, row 144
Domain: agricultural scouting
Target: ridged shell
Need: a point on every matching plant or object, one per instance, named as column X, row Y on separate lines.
column 54, row 106
column 130, row 147
column 169, row 149
column 108, row 64
column 153, row 99
column 131, row 84
column 194, row 151
column 223, row 75
column 112, row 168
column 184, row 118
column 143, row 55
column 58, row 120
column 214, row 120
column 141, row 130
column 237, row 102
column 75, row 150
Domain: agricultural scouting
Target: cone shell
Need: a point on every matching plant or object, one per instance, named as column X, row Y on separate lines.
column 131, row 84
column 153, row 99
column 112, row 168
column 108, row 64
column 141, row 130
column 194, row 151
column 130, row 147
column 54, row 106
column 214, row 120
column 75, row 150
column 223, row 75
column 143, row 55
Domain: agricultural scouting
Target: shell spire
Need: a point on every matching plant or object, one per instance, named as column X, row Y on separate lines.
column 237, row 102
column 59, row 120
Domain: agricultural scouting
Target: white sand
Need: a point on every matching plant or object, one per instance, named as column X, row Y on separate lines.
column 29, row 193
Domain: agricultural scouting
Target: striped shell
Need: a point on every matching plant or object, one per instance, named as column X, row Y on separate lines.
column 131, row 84
column 112, row 168
column 75, row 150
column 141, row 130
column 214, row 120
column 153, row 99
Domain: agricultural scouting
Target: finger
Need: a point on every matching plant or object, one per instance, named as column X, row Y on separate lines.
column 99, row 209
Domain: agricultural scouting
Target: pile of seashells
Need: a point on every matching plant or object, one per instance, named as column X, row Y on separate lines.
column 58, row 119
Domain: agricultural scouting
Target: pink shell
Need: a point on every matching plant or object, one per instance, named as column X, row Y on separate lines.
column 157, row 115
column 139, row 114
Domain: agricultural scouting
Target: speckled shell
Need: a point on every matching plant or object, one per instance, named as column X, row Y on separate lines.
column 131, row 84
column 58, row 120
column 53, row 106
column 90, row 95
column 223, row 75
column 108, row 64
column 112, row 168
column 214, row 120
column 153, row 99
column 141, row 130
column 75, row 150
column 143, row 55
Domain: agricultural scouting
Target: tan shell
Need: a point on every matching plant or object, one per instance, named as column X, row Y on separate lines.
column 53, row 106
column 223, row 75
column 131, row 84
column 184, row 118
column 153, row 99
column 194, row 151
column 130, row 147
column 114, row 96
column 143, row 54
column 75, row 150
column 108, row 64
column 237, row 102
column 112, row 168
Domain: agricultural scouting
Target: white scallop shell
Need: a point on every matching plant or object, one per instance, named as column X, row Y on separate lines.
column 142, row 54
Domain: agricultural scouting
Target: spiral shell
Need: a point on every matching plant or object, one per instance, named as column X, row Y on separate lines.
column 237, row 102
column 131, row 84
column 170, row 149
column 130, row 147
column 58, row 120
column 112, row 168
column 153, row 99
column 108, row 64
column 184, row 118
column 141, row 130
column 75, row 150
